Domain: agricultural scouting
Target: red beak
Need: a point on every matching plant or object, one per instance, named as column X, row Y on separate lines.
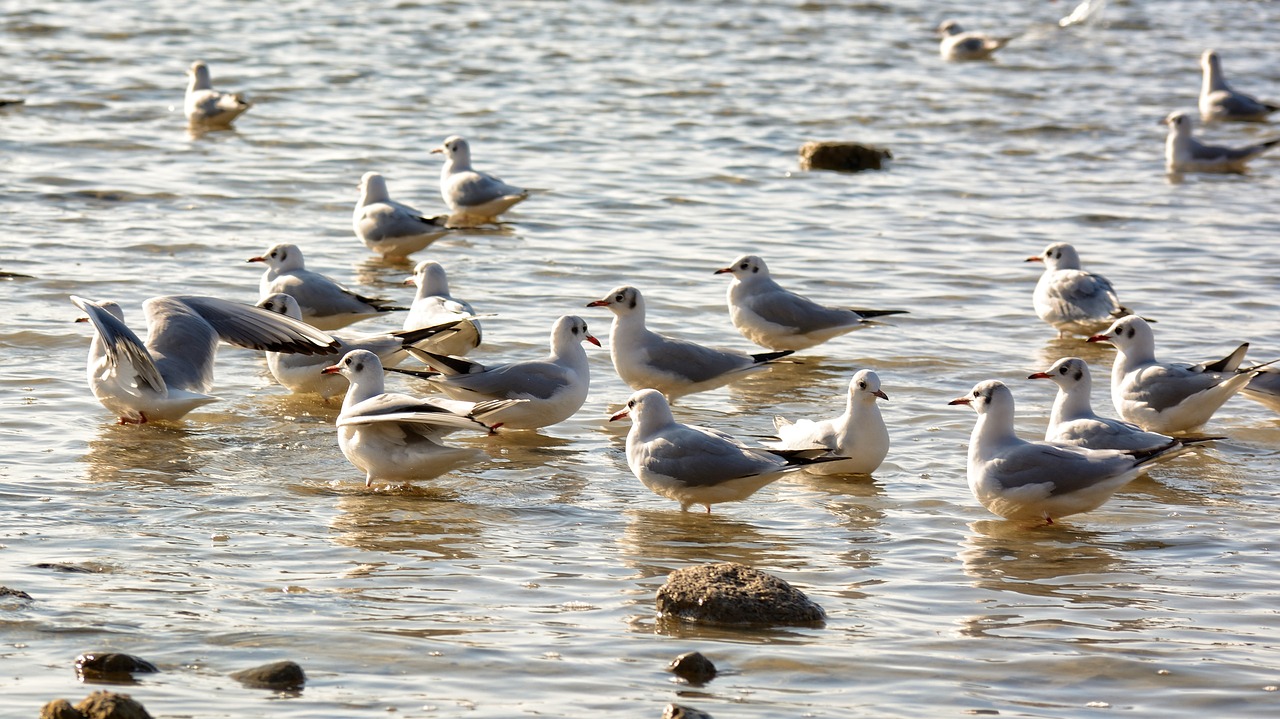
column 880, row 393
column 1040, row 375
column 256, row 259
column 598, row 303
column 620, row 415
column 410, row 281
column 594, row 341
column 1099, row 338
column 1037, row 258
column 961, row 400
column 332, row 369
column 723, row 270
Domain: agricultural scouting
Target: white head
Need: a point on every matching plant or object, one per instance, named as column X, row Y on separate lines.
column 282, row 257
column 949, row 27
column 624, row 300
column 1209, row 61
column 647, row 408
column 1071, row 374
column 746, row 268
column 1179, row 123
column 865, row 387
column 373, row 188
column 991, row 400
column 455, row 150
column 282, row 304
column 1058, row 256
column 200, row 79
column 570, row 331
column 363, row 370
column 1131, row 335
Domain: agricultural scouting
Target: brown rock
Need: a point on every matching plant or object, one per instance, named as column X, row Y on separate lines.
column 842, row 156
column 731, row 593
column 693, row 668
column 59, row 709
column 15, row 593
column 277, row 675
column 111, row 666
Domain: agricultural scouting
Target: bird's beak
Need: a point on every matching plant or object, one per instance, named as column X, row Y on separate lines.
column 1040, row 375
column 594, row 341
column 437, row 151
column 331, row 369
column 1037, row 258
column 620, row 415
column 256, row 259
column 1099, row 338
column 880, row 393
column 598, row 303
column 410, row 281
column 961, row 400
column 723, row 270
column 1162, row 121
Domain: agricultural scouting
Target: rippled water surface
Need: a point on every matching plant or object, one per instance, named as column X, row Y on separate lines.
column 664, row 137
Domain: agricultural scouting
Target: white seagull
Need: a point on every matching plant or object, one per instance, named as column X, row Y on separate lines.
column 645, row 359
column 697, row 465
column 1162, row 397
column 1072, row 420
column 1017, row 479
column 555, row 386
column 302, row 374
column 171, row 374
column 1184, row 153
column 389, row 228
column 778, row 319
column 433, row 305
column 958, row 45
column 325, row 303
column 205, row 106
column 1219, row 102
column 396, row 437
column 1070, row 299
column 474, row 197
column 859, row 434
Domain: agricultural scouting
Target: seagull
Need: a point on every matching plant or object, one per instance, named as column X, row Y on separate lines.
column 697, row 465
column 474, row 197
column 1219, row 102
column 555, row 386
column 326, row 304
column 1160, row 397
column 172, row 373
column 1265, row 388
column 1184, row 153
column 1072, row 420
column 389, row 228
column 301, row 374
column 1017, row 479
column 859, row 434
column 396, row 437
column 433, row 305
column 205, row 106
column 645, row 359
column 958, row 45
column 779, row 319
column 1070, row 299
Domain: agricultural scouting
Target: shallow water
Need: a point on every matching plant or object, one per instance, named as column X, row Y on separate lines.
column 664, row 136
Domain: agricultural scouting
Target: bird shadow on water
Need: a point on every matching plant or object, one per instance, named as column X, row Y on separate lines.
column 656, row 542
column 148, row 454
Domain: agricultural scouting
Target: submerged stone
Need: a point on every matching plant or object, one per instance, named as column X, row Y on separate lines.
column 693, row 668
column 842, row 156
column 111, row 666
column 98, row 705
column 731, row 593
column 15, row 593
column 677, row 711
column 283, row 675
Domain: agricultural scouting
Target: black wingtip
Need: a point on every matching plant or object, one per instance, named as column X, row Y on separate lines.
column 419, row 373
column 771, row 356
column 1148, row 455
column 868, row 314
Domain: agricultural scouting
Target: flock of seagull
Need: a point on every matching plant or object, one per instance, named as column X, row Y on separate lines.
column 300, row 320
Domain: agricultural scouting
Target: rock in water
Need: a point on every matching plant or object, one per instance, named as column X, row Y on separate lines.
column 284, row 675
column 693, row 668
column 111, row 666
column 842, row 156
column 677, row 711
column 731, row 593
column 98, row 705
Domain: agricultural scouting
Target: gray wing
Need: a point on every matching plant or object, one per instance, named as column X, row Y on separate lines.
column 1165, row 386
column 1201, row 151
column 693, row 361
column 1238, row 103
column 1083, row 295
column 1105, row 433
column 477, row 188
column 400, row 408
column 1069, row 469
column 319, row 295
column 519, row 380
column 786, row 308
column 1267, row 381
column 121, row 342
column 701, row 457
column 971, row 44
column 386, row 220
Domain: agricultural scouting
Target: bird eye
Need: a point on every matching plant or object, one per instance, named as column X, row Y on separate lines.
column 862, row 385
column 1063, row 370
column 744, row 265
column 631, row 404
column 619, row 298
column 976, row 393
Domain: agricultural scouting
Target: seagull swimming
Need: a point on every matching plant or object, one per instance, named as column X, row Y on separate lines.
column 389, row 228
column 858, row 435
column 697, row 465
column 1070, row 299
column 325, row 304
column 1184, row 153
column 645, row 359
column 433, row 305
column 958, row 45
column 555, row 387
column 396, row 437
column 1162, row 397
column 205, row 106
column 171, row 374
column 302, row 374
column 778, row 319
column 1017, row 479
column 474, row 197
column 1219, row 102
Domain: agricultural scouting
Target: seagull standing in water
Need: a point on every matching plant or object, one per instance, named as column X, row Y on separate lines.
column 859, row 435
column 433, row 305
column 171, row 374
column 1070, row 299
column 1184, row 153
column 205, row 106
column 1219, row 102
column 1017, row 479
column 389, row 228
column 779, row 319
column 645, row 359
column 697, row 465
column 474, row 197
column 325, row 303
column 1164, row 397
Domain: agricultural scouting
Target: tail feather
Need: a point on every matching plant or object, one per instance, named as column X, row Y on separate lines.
column 1150, row 455
column 770, row 356
column 1230, row 363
